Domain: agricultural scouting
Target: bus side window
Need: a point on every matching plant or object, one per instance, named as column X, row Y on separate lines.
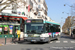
column 48, row 30
column 57, row 28
column 52, row 29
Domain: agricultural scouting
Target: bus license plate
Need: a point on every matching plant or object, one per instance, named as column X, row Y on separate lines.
column 33, row 40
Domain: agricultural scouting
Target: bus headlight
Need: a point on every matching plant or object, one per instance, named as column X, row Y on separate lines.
column 25, row 35
column 44, row 35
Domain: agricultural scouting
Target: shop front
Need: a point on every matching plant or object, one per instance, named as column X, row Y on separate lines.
column 8, row 30
column 9, row 25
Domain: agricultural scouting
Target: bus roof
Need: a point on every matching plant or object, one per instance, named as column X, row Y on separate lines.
column 45, row 21
column 51, row 22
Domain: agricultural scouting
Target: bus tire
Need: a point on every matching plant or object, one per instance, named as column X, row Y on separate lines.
column 57, row 37
column 32, row 42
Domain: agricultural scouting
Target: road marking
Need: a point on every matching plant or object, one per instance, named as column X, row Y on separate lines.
column 72, row 41
column 14, row 44
column 51, row 42
column 65, row 41
column 57, row 41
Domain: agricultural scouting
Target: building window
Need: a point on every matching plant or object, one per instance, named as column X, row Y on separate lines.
column 39, row 6
column 38, row 0
column 45, row 18
column 42, row 16
column 39, row 14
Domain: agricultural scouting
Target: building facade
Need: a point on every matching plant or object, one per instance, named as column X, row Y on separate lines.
column 32, row 9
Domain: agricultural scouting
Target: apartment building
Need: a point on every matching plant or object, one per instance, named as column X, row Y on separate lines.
column 38, row 9
column 33, row 9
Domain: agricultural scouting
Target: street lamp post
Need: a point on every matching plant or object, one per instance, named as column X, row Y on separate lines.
column 71, row 16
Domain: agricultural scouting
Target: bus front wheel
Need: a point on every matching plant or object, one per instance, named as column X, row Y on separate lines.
column 49, row 39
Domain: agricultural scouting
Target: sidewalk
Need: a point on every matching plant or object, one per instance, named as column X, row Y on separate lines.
column 2, row 41
column 9, row 41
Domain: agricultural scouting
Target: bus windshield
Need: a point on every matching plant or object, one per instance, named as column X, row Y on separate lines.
column 34, row 28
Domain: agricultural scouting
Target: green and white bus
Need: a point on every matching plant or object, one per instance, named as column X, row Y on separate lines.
column 38, row 30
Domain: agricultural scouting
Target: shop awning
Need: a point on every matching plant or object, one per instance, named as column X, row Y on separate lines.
column 13, row 15
column 24, row 18
column 9, row 24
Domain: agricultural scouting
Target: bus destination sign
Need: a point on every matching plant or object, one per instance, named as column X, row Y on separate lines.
column 34, row 21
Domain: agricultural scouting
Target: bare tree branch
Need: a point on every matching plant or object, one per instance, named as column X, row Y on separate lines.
column 4, row 7
column 11, row 2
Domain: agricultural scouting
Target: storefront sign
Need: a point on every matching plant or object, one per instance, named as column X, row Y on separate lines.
column 0, row 29
column 34, row 21
column 5, row 28
column 10, row 29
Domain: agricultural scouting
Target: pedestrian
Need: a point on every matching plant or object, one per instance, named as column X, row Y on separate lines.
column 18, row 33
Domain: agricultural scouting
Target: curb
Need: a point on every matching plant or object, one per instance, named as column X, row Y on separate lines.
column 8, row 44
column 1, row 44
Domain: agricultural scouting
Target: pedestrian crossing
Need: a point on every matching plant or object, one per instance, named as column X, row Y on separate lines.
column 57, row 41
column 62, row 42
column 65, row 41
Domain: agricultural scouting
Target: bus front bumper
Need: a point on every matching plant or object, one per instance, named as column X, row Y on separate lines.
column 36, row 39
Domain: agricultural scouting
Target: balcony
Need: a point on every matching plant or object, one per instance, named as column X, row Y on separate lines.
column 45, row 12
column 44, row 3
column 35, row 11
column 45, row 18
column 39, row 16
column 30, row 3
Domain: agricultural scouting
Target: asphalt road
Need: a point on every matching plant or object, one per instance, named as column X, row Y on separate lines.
column 64, row 43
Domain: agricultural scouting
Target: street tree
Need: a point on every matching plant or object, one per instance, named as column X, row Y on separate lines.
column 5, row 3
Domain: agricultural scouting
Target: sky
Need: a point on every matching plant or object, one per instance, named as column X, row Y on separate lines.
column 56, row 7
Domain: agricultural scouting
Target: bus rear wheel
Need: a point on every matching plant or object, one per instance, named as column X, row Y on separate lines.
column 32, row 42
column 57, row 37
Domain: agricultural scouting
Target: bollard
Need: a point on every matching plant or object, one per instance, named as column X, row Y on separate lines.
column 12, row 38
column 5, row 39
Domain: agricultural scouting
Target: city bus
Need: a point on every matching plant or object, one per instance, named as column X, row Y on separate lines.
column 39, row 30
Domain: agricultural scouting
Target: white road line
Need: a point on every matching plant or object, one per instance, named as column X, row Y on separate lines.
column 65, row 41
column 72, row 41
column 14, row 44
column 51, row 42
column 57, row 41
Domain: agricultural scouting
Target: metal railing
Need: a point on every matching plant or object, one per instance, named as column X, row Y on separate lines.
column 45, row 12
